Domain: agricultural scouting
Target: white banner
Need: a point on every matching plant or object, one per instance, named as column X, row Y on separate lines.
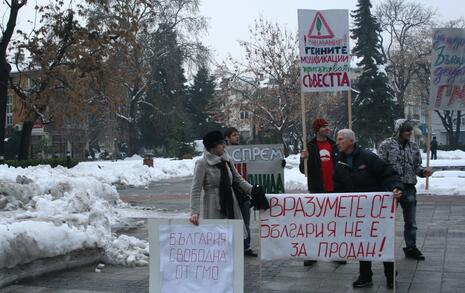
column 324, row 50
column 448, row 70
column 337, row 226
column 260, row 164
column 185, row 258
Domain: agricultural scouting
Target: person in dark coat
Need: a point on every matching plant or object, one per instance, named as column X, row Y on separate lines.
column 434, row 149
column 405, row 157
column 359, row 170
column 321, row 152
column 232, row 137
column 321, row 156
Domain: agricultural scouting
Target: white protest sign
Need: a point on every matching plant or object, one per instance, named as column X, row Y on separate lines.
column 337, row 226
column 447, row 86
column 260, row 164
column 186, row 258
column 324, row 50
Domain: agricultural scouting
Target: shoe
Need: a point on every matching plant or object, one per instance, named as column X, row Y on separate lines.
column 250, row 252
column 413, row 253
column 390, row 281
column 309, row 263
column 362, row 283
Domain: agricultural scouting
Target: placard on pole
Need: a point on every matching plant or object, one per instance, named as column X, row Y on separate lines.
column 324, row 56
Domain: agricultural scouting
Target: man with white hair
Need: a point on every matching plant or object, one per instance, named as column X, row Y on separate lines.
column 359, row 170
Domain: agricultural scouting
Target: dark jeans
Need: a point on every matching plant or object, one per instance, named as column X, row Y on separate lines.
column 434, row 155
column 408, row 202
column 366, row 273
column 245, row 210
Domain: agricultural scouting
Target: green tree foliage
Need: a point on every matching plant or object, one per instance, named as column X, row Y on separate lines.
column 166, row 95
column 373, row 106
column 200, row 96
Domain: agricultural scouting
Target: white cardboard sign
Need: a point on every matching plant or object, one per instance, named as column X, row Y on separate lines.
column 324, row 50
column 185, row 258
column 448, row 69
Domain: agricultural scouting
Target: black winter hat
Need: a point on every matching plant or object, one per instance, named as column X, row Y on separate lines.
column 212, row 139
column 406, row 126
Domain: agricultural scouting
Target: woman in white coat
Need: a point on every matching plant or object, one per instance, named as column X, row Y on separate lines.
column 215, row 174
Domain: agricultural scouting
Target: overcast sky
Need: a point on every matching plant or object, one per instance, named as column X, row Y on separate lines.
column 229, row 20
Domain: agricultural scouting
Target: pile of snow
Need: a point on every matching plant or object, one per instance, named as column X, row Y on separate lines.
column 443, row 183
column 128, row 251
column 47, row 212
column 448, row 155
column 132, row 172
column 293, row 179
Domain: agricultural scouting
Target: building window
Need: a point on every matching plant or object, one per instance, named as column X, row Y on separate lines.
column 244, row 115
column 9, row 111
column 463, row 121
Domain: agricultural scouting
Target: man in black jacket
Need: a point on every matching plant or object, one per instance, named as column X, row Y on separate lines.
column 359, row 170
column 321, row 157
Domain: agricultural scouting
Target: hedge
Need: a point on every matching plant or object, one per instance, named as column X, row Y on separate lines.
column 52, row 162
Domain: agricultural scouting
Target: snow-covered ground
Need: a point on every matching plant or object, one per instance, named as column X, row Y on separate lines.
column 46, row 212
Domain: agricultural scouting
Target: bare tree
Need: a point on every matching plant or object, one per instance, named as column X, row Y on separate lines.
column 63, row 59
column 267, row 80
column 402, row 21
column 138, row 23
column 5, row 68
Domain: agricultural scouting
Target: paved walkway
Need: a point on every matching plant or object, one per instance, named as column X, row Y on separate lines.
column 441, row 236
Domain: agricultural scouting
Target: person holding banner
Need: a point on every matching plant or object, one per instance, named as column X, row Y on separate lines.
column 320, row 158
column 215, row 175
column 359, row 170
column 232, row 137
column 404, row 156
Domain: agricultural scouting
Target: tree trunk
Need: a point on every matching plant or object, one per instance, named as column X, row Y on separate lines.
column 286, row 149
column 5, row 68
column 132, row 140
column 457, row 129
column 4, row 74
column 25, row 141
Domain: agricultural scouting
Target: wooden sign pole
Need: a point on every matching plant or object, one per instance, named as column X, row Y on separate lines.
column 349, row 106
column 304, row 129
column 428, row 144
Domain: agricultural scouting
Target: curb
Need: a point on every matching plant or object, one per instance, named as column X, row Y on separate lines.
column 42, row 266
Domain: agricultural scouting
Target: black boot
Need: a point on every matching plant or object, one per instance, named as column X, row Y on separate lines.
column 414, row 253
column 309, row 263
column 363, row 282
column 390, row 281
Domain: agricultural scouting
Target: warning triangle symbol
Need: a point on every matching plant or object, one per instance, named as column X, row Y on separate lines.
column 320, row 28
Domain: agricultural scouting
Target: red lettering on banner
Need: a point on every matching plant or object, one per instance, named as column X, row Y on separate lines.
column 376, row 212
column 352, row 229
column 374, row 229
column 358, row 209
column 298, row 249
column 346, row 250
column 325, row 80
column 382, row 246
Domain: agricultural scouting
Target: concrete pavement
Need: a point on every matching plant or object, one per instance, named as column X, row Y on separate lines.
column 441, row 236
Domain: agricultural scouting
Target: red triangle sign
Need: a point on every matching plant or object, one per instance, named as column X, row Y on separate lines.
column 322, row 29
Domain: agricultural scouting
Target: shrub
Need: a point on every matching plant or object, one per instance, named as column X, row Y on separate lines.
column 52, row 162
